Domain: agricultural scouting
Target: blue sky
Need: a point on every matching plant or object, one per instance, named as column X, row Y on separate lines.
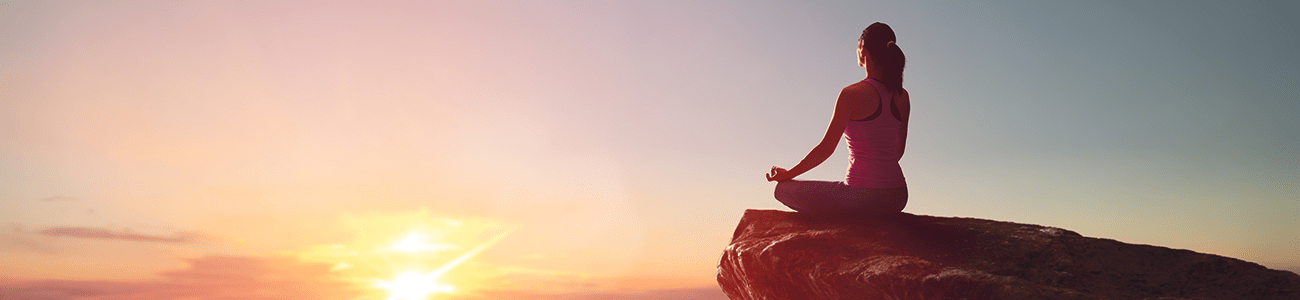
column 1149, row 122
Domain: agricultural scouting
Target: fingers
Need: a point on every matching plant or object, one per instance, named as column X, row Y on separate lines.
column 774, row 173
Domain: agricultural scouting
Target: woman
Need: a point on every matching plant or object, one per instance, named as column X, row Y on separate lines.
column 872, row 115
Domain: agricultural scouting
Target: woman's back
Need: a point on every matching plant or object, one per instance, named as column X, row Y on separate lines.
column 872, row 115
column 874, row 145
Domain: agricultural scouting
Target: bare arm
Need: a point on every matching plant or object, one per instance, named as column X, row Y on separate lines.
column 904, row 103
column 845, row 105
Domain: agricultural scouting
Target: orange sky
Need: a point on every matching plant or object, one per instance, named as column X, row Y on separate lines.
column 162, row 140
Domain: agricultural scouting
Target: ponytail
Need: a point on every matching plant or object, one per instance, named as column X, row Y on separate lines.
column 879, row 41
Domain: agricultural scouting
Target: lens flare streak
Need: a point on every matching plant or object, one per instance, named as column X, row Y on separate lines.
column 414, row 285
column 469, row 254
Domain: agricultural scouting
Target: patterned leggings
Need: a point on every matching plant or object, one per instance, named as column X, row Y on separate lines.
column 835, row 197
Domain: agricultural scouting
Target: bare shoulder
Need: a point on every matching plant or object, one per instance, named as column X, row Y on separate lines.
column 860, row 92
column 859, row 88
column 858, row 100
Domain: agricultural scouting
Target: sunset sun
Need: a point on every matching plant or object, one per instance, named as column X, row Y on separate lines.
column 413, row 286
column 412, row 255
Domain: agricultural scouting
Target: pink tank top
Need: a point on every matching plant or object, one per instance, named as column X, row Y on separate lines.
column 873, row 147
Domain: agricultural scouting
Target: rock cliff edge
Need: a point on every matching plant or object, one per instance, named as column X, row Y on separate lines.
column 786, row 255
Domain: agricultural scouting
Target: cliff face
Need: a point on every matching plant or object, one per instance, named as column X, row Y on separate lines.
column 785, row 255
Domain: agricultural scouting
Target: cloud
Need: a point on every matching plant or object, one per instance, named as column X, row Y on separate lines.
column 268, row 278
column 11, row 288
column 705, row 293
column 111, row 290
column 14, row 238
column 211, row 277
column 564, row 282
column 102, row 233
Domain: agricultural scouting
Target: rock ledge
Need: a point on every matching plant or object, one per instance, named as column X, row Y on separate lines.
column 786, row 255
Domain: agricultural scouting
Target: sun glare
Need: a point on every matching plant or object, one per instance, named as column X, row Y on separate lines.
column 413, row 286
column 410, row 256
column 415, row 242
column 417, row 286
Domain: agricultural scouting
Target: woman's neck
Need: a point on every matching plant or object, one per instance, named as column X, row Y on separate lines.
column 873, row 75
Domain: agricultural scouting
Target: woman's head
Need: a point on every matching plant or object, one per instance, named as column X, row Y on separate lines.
column 880, row 46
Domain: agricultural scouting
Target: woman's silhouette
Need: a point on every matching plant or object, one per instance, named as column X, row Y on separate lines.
column 872, row 115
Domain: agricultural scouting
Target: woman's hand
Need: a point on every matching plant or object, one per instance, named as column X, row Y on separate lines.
column 847, row 103
column 779, row 174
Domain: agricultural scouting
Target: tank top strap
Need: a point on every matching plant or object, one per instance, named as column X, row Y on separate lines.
column 886, row 98
column 873, row 147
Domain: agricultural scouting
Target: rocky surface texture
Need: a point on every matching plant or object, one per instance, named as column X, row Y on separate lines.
column 786, row 255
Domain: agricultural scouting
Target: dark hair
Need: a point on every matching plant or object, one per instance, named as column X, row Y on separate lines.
column 887, row 57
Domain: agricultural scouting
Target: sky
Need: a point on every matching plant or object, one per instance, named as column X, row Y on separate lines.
column 602, row 149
